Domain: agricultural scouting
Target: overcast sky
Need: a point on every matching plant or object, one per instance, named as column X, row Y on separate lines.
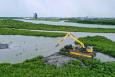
column 58, row 8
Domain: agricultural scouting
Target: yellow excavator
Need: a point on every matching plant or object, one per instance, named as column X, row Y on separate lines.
column 79, row 50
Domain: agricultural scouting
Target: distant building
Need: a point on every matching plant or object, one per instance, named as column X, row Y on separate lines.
column 35, row 16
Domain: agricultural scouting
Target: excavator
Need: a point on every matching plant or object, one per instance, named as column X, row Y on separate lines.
column 79, row 50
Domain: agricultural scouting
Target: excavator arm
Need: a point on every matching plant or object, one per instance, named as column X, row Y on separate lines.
column 73, row 37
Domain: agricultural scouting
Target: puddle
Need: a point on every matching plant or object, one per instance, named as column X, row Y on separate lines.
column 59, row 23
column 27, row 47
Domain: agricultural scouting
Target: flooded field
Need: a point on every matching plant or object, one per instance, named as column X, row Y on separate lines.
column 27, row 47
column 60, row 23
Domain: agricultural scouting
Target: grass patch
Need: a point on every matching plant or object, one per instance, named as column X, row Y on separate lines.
column 26, row 25
column 100, row 44
column 29, row 33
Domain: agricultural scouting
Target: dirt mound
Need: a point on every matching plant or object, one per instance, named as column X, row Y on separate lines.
column 58, row 60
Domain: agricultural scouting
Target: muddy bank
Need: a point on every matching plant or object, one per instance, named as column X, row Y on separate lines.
column 58, row 60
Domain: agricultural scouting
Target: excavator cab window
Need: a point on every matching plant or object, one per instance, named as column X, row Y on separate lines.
column 68, row 47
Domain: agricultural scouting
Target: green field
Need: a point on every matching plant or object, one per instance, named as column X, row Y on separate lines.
column 25, row 25
column 101, row 21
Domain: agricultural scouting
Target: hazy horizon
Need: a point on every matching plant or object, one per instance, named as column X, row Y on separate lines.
column 57, row 8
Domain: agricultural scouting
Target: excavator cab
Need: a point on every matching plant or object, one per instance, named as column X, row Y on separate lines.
column 89, row 49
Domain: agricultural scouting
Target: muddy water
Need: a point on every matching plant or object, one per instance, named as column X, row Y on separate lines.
column 59, row 23
column 27, row 47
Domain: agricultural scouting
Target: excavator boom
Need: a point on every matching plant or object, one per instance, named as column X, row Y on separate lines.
column 73, row 37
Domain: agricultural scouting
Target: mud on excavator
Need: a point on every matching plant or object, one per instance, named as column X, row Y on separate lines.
column 79, row 50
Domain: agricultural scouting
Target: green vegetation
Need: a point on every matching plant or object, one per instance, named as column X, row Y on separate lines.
column 26, row 25
column 11, row 17
column 101, row 44
column 29, row 33
column 93, row 21
column 49, row 19
column 37, row 68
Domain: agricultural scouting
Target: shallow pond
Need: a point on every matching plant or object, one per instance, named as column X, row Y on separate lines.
column 59, row 23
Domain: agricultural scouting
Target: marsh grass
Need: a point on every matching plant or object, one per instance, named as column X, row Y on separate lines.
column 26, row 25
